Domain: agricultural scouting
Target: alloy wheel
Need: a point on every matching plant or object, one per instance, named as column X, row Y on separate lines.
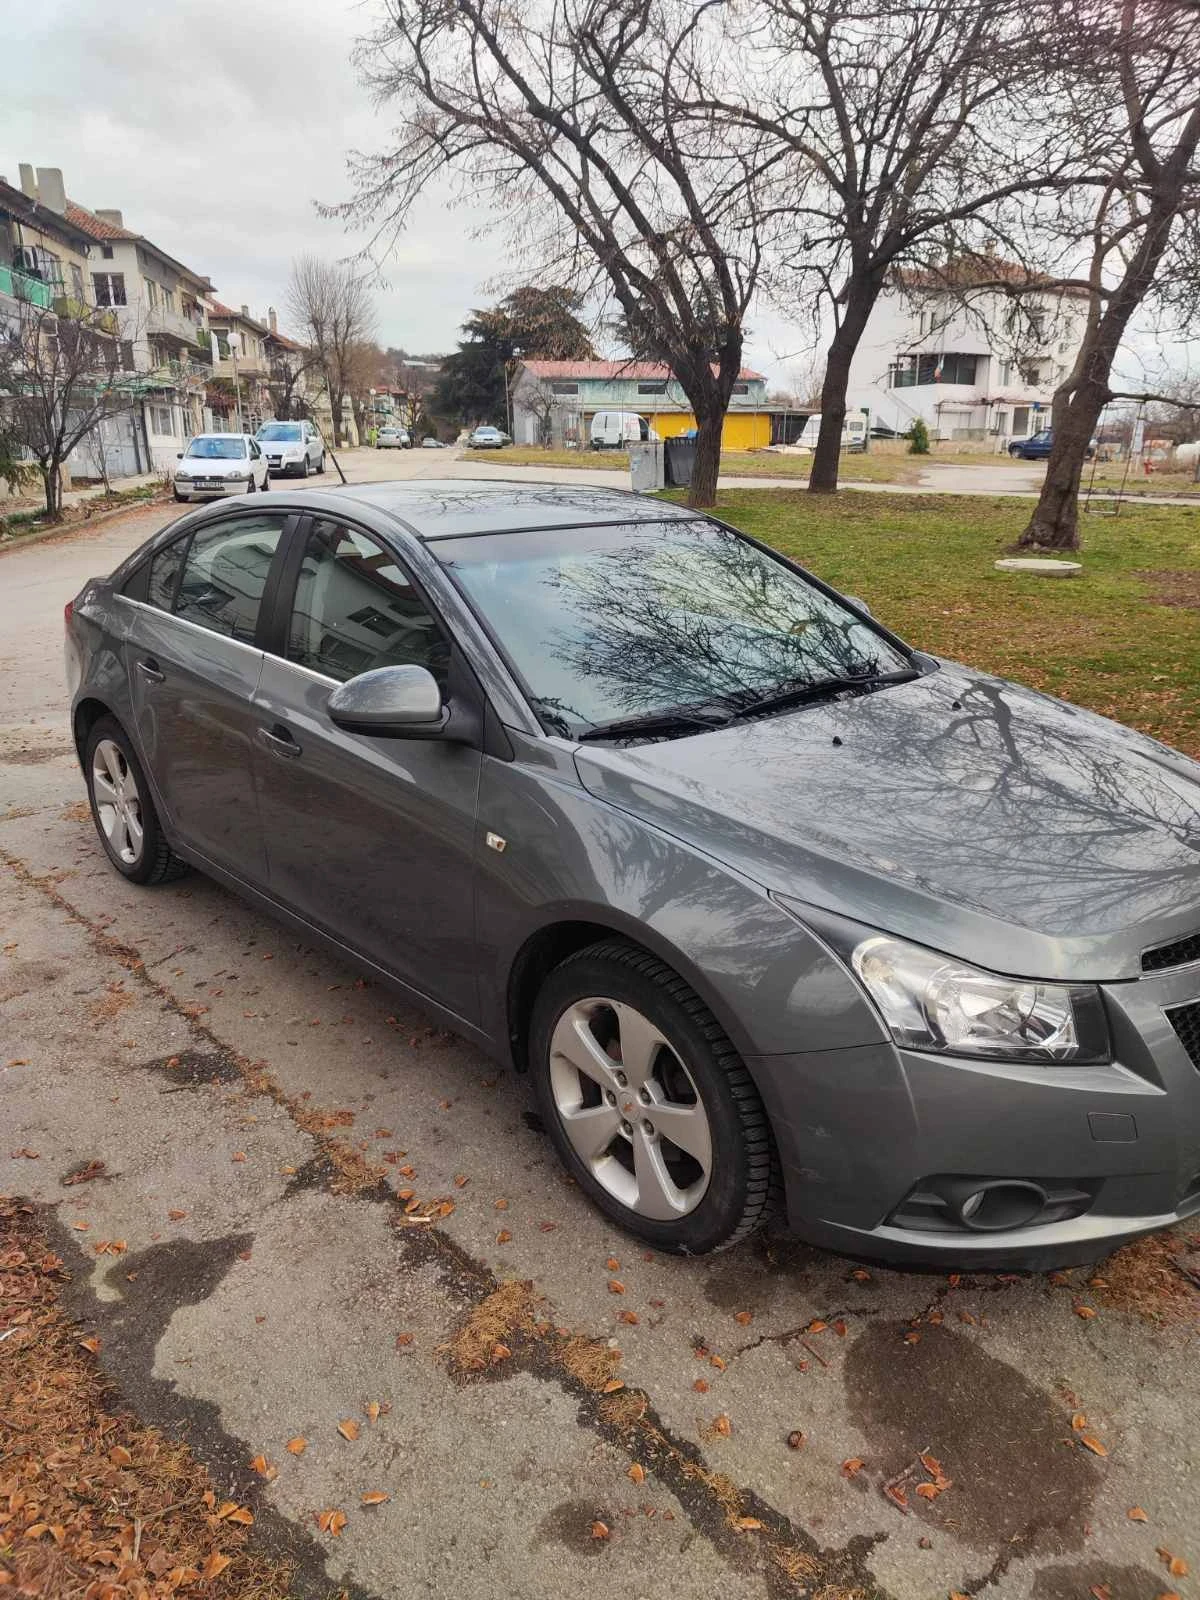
column 118, row 804
column 630, row 1109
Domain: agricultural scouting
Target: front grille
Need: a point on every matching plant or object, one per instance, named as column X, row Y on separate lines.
column 1186, row 1022
column 1176, row 954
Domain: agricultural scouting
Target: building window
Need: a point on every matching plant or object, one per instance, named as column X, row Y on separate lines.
column 77, row 282
column 162, row 420
column 109, row 287
column 168, row 299
column 659, row 387
column 1005, row 372
column 956, row 369
column 151, row 293
column 126, row 355
column 106, row 251
column 741, row 388
column 1031, row 374
column 564, row 388
column 37, row 262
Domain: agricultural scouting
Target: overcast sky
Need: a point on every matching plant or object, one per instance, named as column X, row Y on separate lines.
column 213, row 125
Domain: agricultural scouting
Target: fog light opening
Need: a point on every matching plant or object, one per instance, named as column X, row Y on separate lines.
column 993, row 1207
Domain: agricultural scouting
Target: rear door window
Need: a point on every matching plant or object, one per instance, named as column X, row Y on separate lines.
column 163, row 580
column 226, row 571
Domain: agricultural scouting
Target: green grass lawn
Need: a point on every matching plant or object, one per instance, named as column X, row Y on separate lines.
column 877, row 467
column 1105, row 640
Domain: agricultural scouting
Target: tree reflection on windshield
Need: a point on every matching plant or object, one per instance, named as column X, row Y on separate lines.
column 604, row 623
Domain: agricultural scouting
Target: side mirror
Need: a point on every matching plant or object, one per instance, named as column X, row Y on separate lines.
column 179, row 455
column 404, row 702
column 859, row 604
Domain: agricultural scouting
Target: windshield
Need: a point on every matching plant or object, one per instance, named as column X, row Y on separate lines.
column 278, row 431
column 217, row 449
column 606, row 623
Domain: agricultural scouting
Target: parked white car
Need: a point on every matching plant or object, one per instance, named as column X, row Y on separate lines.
column 294, row 448
column 220, row 463
column 617, row 430
column 393, row 438
column 854, row 432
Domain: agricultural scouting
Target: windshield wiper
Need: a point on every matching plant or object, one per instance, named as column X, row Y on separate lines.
column 795, row 694
column 672, row 720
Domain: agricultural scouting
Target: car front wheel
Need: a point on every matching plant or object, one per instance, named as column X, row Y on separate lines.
column 649, row 1105
column 123, row 810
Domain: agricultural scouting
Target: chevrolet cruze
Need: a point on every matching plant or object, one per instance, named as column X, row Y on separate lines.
column 777, row 911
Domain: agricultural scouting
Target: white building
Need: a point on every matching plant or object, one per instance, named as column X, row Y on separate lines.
column 974, row 364
column 157, row 302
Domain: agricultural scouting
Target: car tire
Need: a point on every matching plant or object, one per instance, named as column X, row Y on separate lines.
column 182, row 498
column 304, row 466
column 108, row 753
column 687, row 1201
column 321, row 463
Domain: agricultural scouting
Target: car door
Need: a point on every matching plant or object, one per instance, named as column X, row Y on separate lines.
column 312, row 445
column 370, row 838
column 193, row 663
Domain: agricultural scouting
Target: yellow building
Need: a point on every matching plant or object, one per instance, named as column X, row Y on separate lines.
column 743, row 430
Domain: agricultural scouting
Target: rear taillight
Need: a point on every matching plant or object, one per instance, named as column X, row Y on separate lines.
column 68, row 613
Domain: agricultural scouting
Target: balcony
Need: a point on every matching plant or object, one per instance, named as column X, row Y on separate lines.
column 19, row 286
column 164, row 324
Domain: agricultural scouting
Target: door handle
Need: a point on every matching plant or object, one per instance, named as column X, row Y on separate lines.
column 278, row 740
column 150, row 670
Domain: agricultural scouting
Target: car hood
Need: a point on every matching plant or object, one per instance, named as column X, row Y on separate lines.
column 958, row 810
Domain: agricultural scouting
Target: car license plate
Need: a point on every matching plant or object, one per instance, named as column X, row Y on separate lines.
column 208, row 483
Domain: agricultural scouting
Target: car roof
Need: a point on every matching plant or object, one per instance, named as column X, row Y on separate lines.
column 452, row 508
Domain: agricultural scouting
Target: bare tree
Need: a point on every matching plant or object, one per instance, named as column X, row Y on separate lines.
column 896, row 120
column 569, row 121
column 332, row 308
column 60, row 377
column 1135, row 233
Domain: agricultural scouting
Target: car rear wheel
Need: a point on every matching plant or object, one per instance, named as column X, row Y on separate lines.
column 123, row 809
column 649, row 1105
column 304, row 466
column 321, row 463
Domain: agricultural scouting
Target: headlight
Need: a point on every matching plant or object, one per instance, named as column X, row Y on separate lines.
column 935, row 1002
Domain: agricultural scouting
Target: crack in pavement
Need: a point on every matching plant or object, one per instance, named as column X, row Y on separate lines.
column 788, row 1557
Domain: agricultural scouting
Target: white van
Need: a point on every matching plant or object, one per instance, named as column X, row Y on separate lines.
column 616, row 430
column 854, row 432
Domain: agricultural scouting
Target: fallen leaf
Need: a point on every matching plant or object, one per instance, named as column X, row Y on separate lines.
column 744, row 1317
column 853, row 1466
column 373, row 1409
column 503, row 1237
column 912, row 1337
column 816, row 1326
column 722, row 1425
column 895, row 1492
column 637, row 1473
column 461, row 1180
column 501, row 1205
column 242, row 1514
column 747, row 1524
column 119, row 1456
column 861, row 1275
column 331, row 1522
column 615, row 1286
column 176, row 1216
column 81, row 1227
column 376, row 1497
column 613, row 1264
column 91, row 1343
column 1084, row 1311
column 629, row 1317
column 965, row 1316
column 348, row 1428
column 1100, row 1591
column 1175, row 1565
column 215, row 1565
column 238, row 1155
column 1136, row 1514
column 613, row 1385
column 259, row 1465
column 94, row 1169
column 795, row 1439
column 928, row 1491
column 500, row 1352
column 701, row 1386
column 1090, row 1442
column 839, row 1328
column 1079, row 1422
column 297, row 1446
column 599, row 1530
column 404, row 1339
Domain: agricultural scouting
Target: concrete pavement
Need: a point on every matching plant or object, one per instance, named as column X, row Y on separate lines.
column 265, row 1118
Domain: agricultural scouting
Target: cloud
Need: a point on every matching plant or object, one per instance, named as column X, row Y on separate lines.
column 214, row 126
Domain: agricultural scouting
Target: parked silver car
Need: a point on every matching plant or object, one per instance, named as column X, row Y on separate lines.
column 768, row 903
column 216, row 464
column 393, row 438
column 293, row 449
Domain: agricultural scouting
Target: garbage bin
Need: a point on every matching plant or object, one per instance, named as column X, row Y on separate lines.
column 646, row 466
column 680, row 462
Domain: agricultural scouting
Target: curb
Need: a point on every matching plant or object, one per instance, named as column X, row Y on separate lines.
column 21, row 541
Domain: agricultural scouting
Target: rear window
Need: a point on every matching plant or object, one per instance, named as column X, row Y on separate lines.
column 163, row 580
column 280, row 433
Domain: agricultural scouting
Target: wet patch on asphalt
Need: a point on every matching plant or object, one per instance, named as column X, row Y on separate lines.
column 1019, row 1481
column 149, row 1286
column 766, row 1268
column 194, row 1068
column 570, row 1524
column 21, row 977
column 1097, row 1577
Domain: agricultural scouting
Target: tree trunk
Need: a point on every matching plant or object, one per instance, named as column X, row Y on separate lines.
column 335, row 410
column 861, row 295
column 702, row 491
column 52, row 488
column 1055, row 521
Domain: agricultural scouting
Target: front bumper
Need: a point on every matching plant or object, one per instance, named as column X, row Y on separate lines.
column 188, row 489
column 861, row 1131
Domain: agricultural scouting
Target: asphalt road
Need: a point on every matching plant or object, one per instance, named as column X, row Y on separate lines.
column 265, row 1118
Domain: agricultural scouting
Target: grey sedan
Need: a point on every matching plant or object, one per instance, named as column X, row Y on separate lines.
column 775, row 910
